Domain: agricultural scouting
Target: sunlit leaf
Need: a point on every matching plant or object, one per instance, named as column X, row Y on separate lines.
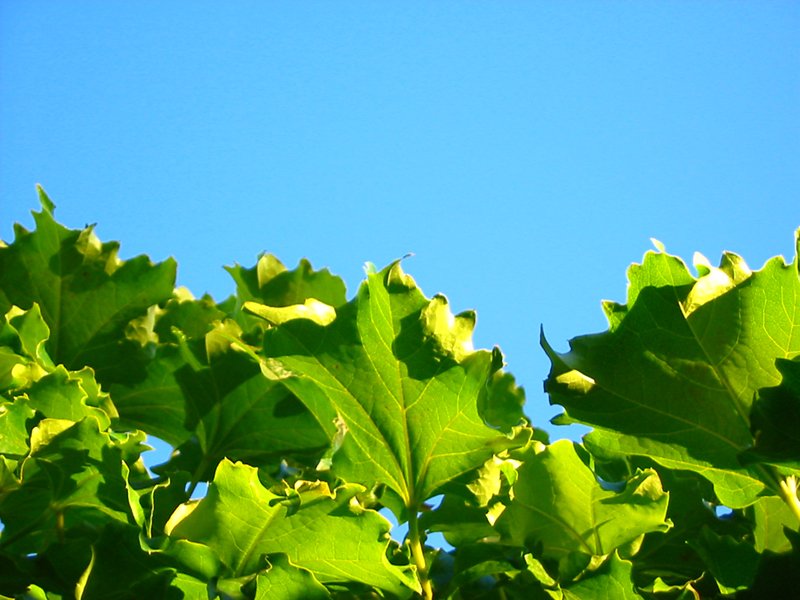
column 675, row 376
column 560, row 508
column 284, row 581
column 86, row 294
column 398, row 370
column 61, row 395
column 322, row 531
column 612, row 582
column 272, row 284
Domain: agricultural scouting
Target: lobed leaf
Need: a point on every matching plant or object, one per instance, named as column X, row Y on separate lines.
column 270, row 284
column 611, row 582
column 73, row 477
column 86, row 294
column 675, row 375
column 559, row 508
column 324, row 532
column 397, row 372
column 284, row 581
column 219, row 401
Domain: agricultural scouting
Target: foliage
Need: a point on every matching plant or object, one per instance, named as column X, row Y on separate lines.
column 312, row 417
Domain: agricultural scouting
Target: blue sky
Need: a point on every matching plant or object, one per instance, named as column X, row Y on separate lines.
column 525, row 152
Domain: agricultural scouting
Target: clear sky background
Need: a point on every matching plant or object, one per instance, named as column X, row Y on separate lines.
column 525, row 152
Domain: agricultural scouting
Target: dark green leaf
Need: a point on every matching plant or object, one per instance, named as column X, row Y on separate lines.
column 669, row 556
column 86, row 294
column 121, row 568
column 222, row 401
column 675, row 376
column 733, row 563
column 776, row 419
column 73, row 477
column 192, row 318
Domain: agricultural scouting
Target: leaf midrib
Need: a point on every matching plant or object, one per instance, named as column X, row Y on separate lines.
column 356, row 403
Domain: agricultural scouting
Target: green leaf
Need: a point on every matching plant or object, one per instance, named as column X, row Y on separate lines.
column 612, row 581
column 504, row 404
column 221, row 400
column 239, row 413
column 61, row 395
column 8, row 481
column 475, row 566
column 324, row 532
column 669, row 555
column 466, row 516
column 733, row 563
column 778, row 575
column 189, row 587
column 121, row 568
column 86, row 294
column 459, row 521
column 73, row 478
column 57, row 569
column 34, row 381
column 537, row 569
column 270, row 283
column 675, row 376
column 399, row 373
column 284, row 581
column 26, row 332
column 313, row 310
column 23, row 358
column 192, row 318
column 662, row 589
column 156, row 403
column 197, row 560
column 159, row 501
column 770, row 517
column 13, row 428
column 559, row 508
column 776, row 419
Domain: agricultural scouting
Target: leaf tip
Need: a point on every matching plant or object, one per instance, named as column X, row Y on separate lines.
column 47, row 204
column 397, row 278
column 267, row 268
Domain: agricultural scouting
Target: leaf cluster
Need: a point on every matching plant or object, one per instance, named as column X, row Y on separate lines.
column 300, row 420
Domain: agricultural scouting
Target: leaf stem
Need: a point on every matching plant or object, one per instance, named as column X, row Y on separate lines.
column 417, row 553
